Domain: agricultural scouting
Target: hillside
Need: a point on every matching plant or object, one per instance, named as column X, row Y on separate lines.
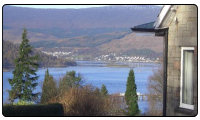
column 81, row 41
column 135, row 41
column 89, row 32
column 57, row 24
column 118, row 16
column 10, row 52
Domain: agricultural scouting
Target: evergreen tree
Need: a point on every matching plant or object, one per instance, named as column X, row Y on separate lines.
column 70, row 80
column 131, row 95
column 24, row 78
column 49, row 89
column 104, row 90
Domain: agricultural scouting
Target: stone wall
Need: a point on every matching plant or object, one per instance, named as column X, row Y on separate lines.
column 182, row 24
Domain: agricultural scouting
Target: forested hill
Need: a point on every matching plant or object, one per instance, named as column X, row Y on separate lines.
column 117, row 16
column 85, row 33
column 59, row 24
column 10, row 52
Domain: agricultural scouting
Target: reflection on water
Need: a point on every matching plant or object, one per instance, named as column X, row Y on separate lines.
column 96, row 73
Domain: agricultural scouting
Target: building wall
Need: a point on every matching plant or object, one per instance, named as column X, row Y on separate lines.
column 182, row 23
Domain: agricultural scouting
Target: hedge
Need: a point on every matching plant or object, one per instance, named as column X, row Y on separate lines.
column 33, row 110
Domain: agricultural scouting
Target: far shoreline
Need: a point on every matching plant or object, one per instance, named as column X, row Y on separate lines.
column 107, row 64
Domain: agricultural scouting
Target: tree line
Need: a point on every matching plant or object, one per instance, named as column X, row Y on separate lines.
column 11, row 52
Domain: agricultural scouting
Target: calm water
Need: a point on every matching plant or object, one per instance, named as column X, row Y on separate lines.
column 96, row 73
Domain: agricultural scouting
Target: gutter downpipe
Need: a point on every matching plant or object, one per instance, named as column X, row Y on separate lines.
column 165, row 73
column 164, row 32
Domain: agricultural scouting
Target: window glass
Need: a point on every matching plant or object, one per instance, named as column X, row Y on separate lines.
column 187, row 80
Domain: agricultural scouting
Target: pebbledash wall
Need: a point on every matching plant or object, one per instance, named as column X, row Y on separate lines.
column 181, row 21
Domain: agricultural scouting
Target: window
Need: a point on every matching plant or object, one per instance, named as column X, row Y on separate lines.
column 186, row 88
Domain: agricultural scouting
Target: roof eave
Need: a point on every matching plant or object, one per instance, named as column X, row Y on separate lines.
column 147, row 27
column 142, row 30
column 162, row 15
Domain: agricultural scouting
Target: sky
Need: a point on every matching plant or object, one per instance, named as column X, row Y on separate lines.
column 60, row 6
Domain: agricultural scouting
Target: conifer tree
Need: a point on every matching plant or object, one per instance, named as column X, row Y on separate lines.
column 104, row 90
column 131, row 95
column 49, row 89
column 24, row 79
column 70, row 80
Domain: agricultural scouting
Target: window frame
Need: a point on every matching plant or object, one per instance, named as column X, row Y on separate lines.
column 183, row 105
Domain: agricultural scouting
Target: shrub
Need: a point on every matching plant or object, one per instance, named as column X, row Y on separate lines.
column 117, row 105
column 155, row 86
column 33, row 110
column 79, row 100
column 83, row 101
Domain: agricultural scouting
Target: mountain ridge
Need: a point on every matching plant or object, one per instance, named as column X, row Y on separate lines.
column 89, row 30
column 89, row 17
